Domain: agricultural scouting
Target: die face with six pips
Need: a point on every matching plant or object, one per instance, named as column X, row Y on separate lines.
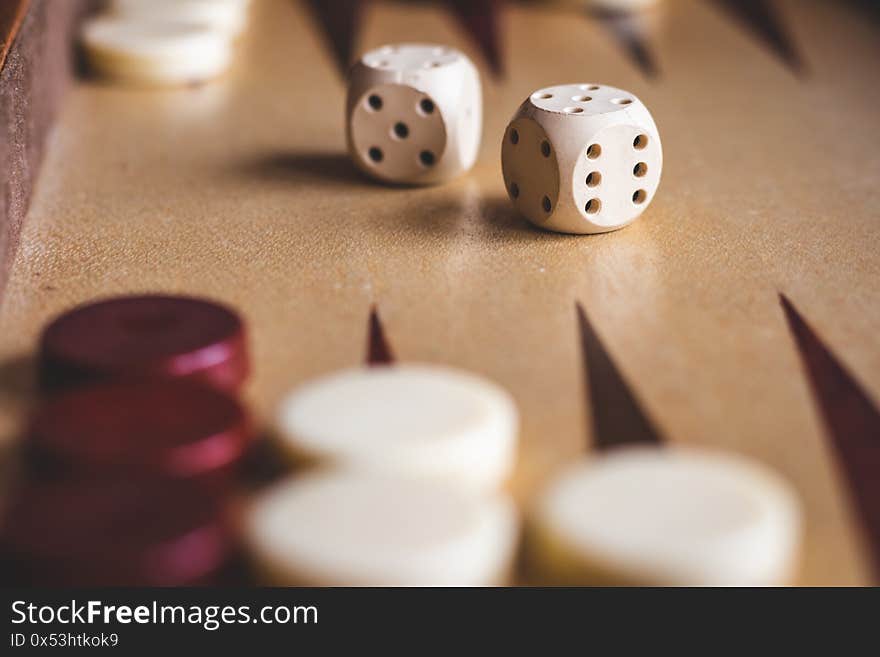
column 581, row 158
column 414, row 113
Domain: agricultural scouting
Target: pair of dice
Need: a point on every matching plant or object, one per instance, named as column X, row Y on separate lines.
column 576, row 158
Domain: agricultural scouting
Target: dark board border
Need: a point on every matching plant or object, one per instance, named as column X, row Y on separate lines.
column 36, row 64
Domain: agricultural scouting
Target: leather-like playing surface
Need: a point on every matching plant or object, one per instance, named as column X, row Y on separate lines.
column 242, row 191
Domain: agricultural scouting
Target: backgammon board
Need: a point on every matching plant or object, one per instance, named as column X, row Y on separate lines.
column 741, row 311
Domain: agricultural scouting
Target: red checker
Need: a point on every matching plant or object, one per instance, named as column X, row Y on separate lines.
column 124, row 532
column 137, row 337
column 177, row 429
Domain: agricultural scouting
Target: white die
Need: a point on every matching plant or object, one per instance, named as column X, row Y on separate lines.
column 414, row 113
column 581, row 158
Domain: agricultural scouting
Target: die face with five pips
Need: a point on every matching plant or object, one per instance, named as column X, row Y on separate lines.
column 581, row 158
column 414, row 113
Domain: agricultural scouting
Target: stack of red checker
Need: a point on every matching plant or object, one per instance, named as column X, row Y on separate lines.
column 131, row 458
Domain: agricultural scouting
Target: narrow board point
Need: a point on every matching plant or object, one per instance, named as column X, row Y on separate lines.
column 481, row 19
column 631, row 33
column 851, row 419
column 378, row 350
column 340, row 22
column 763, row 20
column 618, row 418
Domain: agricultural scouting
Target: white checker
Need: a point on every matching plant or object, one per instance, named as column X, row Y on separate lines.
column 155, row 53
column 413, row 420
column 229, row 16
column 341, row 528
column 668, row 516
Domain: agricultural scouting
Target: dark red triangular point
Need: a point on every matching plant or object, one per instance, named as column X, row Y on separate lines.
column 764, row 20
column 618, row 419
column 340, row 21
column 378, row 350
column 482, row 19
column 852, row 420
column 631, row 32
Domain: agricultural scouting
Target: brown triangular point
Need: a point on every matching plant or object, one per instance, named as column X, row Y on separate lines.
column 378, row 350
column 482, row 19
column 340, row 21
column 851, row 419
column 764, row 20
column 618, row 419
column 631, row 32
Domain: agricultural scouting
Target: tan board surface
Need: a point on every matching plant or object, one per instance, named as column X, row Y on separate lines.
column 241, row 191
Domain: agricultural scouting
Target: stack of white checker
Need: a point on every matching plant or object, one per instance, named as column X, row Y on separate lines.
column 164, row 42
column 407, row 465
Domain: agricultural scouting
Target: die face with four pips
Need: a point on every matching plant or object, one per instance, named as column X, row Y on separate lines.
column 414, row 113
column 581, row 158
